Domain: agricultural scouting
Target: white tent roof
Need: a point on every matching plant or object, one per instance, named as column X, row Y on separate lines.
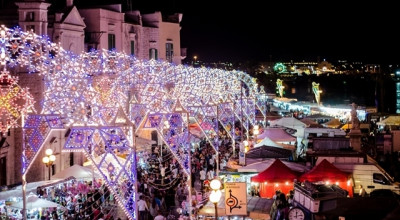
column 277, row 135
column 288, row 122
column 268, row 142
column 33, row 201
column 77, row 171
column 30, row 187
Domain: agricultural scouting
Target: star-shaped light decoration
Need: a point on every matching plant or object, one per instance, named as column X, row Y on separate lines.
column 14, row 101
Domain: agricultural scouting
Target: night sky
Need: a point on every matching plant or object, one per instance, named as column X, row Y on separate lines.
column 264, row 30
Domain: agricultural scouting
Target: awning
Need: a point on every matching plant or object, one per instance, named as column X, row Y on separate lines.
column 30, row 187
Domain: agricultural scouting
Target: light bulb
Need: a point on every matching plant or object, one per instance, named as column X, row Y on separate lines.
column 215, row 184
column 52, row 158
column 215, row 196
column 49, row 152
column 45, row 159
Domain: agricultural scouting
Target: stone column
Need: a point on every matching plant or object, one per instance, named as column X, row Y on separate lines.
column 355, row 139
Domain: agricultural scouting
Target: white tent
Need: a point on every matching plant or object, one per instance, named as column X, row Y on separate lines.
column 276, row 134
column 33, row 201
column 30, row 187
column 288, row 122
column 268, row 142
column 76, row 171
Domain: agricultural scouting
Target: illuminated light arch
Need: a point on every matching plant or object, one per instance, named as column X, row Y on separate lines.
column 89, row 90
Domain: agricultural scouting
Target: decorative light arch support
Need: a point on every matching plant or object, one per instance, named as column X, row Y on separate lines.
column 102, row 145
column 35, row 132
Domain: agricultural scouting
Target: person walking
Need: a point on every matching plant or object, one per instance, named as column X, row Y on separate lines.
column 203, row 175
column 142, row 206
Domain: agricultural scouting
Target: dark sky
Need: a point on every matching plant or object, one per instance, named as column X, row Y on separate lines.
column 263, row 30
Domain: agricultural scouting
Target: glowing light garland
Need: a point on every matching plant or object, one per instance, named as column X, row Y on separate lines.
column 14, row 101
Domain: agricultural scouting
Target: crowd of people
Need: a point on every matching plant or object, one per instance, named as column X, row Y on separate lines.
column 281, row 205
column 81, row 199
column 163, row 185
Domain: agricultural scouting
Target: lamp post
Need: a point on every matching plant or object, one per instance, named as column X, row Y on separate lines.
column 49, row 159
column 216, row 194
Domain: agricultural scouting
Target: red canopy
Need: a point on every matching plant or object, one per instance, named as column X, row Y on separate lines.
column 324, row 171
column 277, row 172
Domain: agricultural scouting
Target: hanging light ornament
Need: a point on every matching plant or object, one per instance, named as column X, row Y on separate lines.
column 14, row 101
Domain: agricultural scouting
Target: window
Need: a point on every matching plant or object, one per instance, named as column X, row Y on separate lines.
column 132, row 47
column 53, row 169
column 379, row 178
column 3, row 171
column 30, row 16
column 111, row 41
column 153, row 54
column 71, row 158
column 169, row 49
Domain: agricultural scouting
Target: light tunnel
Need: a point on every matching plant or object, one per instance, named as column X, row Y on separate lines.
column 87, row 93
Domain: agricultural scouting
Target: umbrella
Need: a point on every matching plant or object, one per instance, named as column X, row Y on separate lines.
column 33, row 201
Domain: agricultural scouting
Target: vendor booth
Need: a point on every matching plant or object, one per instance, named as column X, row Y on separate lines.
column 276, row 177
column 327, row 173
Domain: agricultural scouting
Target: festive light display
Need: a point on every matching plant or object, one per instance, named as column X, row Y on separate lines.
column 102, row 145
column 317, row 92
column 14, row 101
column 280, row 67
column 36, row 130
column 261, row 102
column 226, row 117
column 206, row 117
column 90, row 90
column 279, row 87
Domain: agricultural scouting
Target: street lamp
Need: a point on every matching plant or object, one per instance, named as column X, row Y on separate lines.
column 246, row 146
column 255, row 133
column 216, row 194
column 49, row 159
